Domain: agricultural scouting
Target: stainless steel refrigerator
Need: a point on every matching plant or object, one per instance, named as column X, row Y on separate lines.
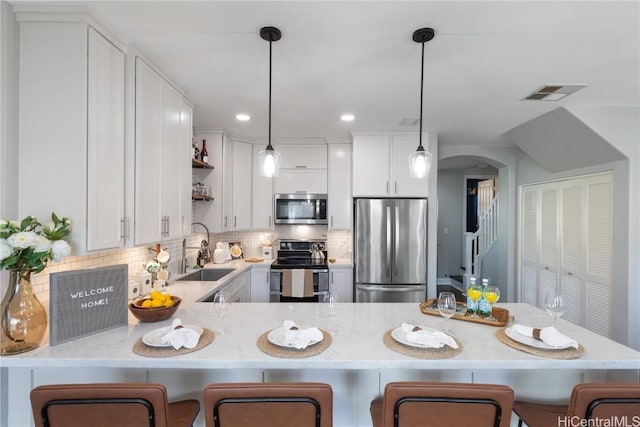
column 390, row 250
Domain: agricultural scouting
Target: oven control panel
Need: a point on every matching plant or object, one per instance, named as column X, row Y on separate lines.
column 302, row 245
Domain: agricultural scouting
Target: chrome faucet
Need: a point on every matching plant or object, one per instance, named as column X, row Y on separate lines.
column 204, row 255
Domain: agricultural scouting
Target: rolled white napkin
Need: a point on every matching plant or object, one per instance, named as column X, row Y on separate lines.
column 181, row 337
column 428, row 338
column 300, row 338
column 549, row 335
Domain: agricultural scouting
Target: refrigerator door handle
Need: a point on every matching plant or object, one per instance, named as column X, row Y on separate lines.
column 396, row 239
column 388, row 241
column 376, row 288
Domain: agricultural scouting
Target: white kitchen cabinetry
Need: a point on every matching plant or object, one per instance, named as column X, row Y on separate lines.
column 381, row 166
column 341, row 282
column 240, row 214
column 303, row 156
column 160, row 158
column 339, row 198
column 186, row 132
column 567, row 246
column 303, row 169
column 71, row 127
column 310, row 181
column 262, row 196
column 238, row 289
column 260, row 283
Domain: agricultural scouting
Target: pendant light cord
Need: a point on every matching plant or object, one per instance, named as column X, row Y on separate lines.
column 421, row 94
column 269, row 147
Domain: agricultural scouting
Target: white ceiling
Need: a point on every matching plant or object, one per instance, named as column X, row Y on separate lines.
column 358, row 57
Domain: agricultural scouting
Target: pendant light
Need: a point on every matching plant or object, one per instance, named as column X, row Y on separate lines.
column 420, row 160
column 269, row 158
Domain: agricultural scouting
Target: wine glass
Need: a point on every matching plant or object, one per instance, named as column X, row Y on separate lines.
column 447, row 307
column 492, row 295
column 330, row 309
column 475, row 293
column 222, row 305
column 554, row 305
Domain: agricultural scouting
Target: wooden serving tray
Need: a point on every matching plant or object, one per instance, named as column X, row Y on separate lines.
column 430, row 306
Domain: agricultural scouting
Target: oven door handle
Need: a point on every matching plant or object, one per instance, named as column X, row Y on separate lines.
column 279, row 271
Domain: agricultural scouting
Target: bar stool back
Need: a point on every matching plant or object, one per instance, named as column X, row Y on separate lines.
column 109, row 405
column 268, row 405
column 588, row 401
column 422, row 404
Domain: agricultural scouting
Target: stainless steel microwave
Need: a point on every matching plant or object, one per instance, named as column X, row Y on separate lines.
column 301, row 208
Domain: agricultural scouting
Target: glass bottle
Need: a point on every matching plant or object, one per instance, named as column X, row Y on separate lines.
column 484, row 308
column 204, row 154
column 471, row 304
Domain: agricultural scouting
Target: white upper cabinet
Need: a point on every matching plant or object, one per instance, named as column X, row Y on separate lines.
column 303, row 156
column 303, row 169
column 262, row 196
column 186, row 134
column 71, row 127
column 381, row 166
column 339, row 196
column 161, row 157
column 241, row 186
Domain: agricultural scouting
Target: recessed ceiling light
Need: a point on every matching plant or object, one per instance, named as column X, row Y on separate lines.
column 243, row 117
column 347, row 117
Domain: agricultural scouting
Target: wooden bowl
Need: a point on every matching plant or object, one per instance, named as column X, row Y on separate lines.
column 153, row 314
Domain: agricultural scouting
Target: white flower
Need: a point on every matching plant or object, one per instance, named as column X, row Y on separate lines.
column 50, row 226
column 3, row 223
column 23, row 239
column 15, row 223
column 42, row 244
column 5, row 249
column 60, row 249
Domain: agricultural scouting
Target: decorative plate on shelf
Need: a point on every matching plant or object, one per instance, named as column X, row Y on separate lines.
column 235, row 249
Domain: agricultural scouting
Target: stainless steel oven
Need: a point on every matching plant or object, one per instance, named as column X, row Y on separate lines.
column 294, row 255
column 300, row 208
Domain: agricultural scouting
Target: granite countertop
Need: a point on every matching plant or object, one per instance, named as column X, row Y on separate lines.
column 358, row 344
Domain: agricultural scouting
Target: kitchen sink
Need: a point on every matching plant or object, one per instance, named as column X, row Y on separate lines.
column 207, row 274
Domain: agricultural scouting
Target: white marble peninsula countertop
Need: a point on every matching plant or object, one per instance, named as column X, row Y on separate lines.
column 358, row 344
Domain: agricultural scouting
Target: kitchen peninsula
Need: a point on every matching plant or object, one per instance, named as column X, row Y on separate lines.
column 357, row 364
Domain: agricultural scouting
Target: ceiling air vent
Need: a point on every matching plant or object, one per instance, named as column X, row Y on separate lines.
column 553, row 92
column 409, row 122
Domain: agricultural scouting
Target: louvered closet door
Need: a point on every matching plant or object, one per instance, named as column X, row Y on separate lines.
column 529, row 230
column 599, row 255
column 567, row 240
column 548, row 241
column 573, row 251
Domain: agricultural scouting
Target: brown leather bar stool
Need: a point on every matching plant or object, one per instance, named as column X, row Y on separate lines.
column 422, row 404
column 268, row 405
column 588, row 401
column 109, row 405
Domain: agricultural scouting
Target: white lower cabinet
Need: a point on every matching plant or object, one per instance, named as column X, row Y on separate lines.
column 260, row 283
column 341, row 282
column 238, row 289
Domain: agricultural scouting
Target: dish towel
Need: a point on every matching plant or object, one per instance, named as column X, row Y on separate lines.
column 180, row 336
column 549, row 335
column 297, row 283
column 427, row 338
column 300, row 338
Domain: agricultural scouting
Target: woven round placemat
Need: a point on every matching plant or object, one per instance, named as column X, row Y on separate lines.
column 142, row 349
column 275, row 350
column 418, row 352
column 565, row 353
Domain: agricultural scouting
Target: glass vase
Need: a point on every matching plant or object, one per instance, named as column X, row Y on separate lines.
column 24, row 319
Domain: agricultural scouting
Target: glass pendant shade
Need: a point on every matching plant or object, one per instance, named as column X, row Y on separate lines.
column 419, row 163
column 269, row 162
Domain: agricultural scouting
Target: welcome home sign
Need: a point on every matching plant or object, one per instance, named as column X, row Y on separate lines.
column 84, row 302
